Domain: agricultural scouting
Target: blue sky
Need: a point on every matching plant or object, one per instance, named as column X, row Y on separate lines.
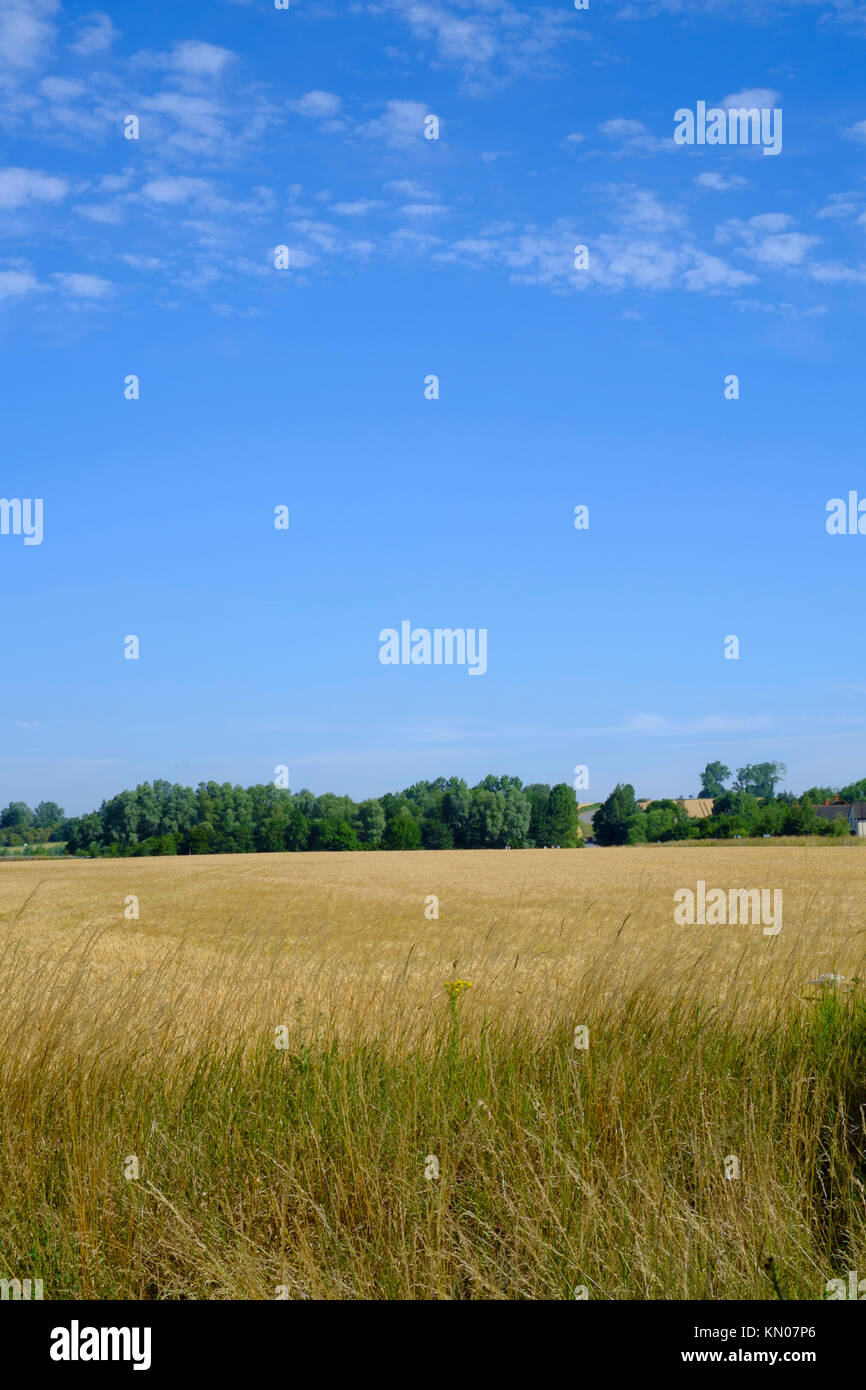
column 305, row 387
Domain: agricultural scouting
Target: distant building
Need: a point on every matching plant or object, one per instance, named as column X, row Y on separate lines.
column 857, row 817
column 834, row 810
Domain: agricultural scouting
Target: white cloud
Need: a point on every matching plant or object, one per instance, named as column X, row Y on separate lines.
column 15, row 283
column 721, row 183
column 637, row 263
column 709, row 273
column 323, row 235
column 175, row 190
column 752, row 96
column 783, row 310
column 143, row 262
column 114, row 183
column 841, row 205
column 642, row 208
column 422, row 209
column 198, row 118
column 412, row 239
column 62, row 88
column 652, row 249
column 18, row 187
column 26, row 31
column 191, row 58
column 318, row 106
column 790, row 249
column 107, row 214
column 491, row 41
column 766, row 239
column 96, row 34
column 401, row 123
column 410, row 188
column 197, row 59
column 703, row 724
column 857, row 131
column 738, row 10
column 633, row 135
column 771, row 221
column 357, row 209
column 838, row 273
column 84, row 286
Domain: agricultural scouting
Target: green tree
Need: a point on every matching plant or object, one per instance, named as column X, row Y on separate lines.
column 759, row 779
column 562, row 815
column 16, row 816
column 402, row 831
column 271, row 834
column 120, row 819
column 435, row 834
column 518, row 811
column 200, row 839
column 297, row 830
column 800, row 820
column 611, row 821
column 486, row 818
column 370, row 821
column 665, row 820
column 637, row 828
column 84, row 834
column 456, row 806
column 819, row 795
column 742, row 804
column 538, row 795
column 713, row 779
column 333, row 834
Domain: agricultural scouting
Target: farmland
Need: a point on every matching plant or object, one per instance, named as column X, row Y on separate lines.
column 270, row 1040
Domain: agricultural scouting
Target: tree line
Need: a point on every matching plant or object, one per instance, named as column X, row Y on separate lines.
column 499, row 812
column 164, row 818
column 745, row 805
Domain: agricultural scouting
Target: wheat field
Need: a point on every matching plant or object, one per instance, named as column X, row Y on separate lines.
column 238, row 1092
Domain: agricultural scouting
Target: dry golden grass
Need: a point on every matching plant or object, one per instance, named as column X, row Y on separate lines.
column 304, row 1168
column 248, row 934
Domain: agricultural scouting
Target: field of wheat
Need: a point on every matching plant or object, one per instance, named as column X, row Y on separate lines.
column 228, row 1077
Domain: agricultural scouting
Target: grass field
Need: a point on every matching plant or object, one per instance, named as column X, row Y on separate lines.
column 298, row 1169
